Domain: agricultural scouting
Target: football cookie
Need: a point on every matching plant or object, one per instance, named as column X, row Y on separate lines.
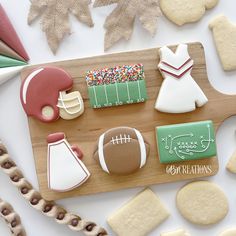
column 121, row 151
column 44, row 95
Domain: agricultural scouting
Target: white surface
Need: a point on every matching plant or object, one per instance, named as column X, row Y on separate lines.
column 87, row 42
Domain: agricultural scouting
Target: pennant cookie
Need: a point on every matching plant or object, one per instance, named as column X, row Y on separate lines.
column 9, row 73
column 8, row 52
column 9, row 35
column 8, row 62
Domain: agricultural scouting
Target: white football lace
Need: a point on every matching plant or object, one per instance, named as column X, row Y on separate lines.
column 121, row 139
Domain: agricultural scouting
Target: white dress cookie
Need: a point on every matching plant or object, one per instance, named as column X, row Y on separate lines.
column 202, row 203
column 181, row 12
column 179, row 93
column 224, row 33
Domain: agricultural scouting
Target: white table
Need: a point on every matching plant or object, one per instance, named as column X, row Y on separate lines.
column 85, row 42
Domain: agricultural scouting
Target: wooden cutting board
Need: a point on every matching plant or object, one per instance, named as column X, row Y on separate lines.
column 85, row 130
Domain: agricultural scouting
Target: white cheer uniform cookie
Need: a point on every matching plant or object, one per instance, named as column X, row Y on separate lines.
column 65, row 170
column 179, row 93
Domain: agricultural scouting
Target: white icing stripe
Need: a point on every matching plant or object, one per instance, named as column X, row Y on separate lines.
column 27, row 82
column 142, row 148
column 101, row 153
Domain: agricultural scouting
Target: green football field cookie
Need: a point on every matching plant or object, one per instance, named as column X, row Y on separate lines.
column 188, row 141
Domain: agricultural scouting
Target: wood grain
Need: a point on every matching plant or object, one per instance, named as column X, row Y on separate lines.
column 85, row 130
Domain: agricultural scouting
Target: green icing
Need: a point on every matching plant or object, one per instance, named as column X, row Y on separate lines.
column 189, row 141
column 117, row 94
column 8, row 62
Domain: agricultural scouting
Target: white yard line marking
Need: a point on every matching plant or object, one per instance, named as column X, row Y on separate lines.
column 127, row 86
column 95, row 95
column 105, row 90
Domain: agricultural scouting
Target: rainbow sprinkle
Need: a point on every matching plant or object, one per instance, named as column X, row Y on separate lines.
column 118, row 74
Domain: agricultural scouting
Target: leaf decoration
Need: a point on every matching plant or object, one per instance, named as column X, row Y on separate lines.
column 55, row 17
column 119, row 24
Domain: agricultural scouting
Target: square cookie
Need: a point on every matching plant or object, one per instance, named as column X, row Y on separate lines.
column 188, row 141
column 139, row 216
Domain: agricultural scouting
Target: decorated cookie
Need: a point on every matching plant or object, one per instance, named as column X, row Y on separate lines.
column 231, row 165
column 179, row 232
column 70, row 105
column 8, row 62
column 224, row 33
column 9, row 72
column 65, row 169
column 44, row 95
column 188, row 141
column 5, row 50
column 121, row 151
column 202, row 203
column 179, row 93
column 116, row 86
column 229, row 232
column 139, row 216
column 181, row 12
column 9, row 36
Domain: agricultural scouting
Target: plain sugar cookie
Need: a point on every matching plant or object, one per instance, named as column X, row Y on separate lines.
column 229, row 232
column 186, row 11
column 179, row 232
column 139, row 216
column 231, row 165
column 202, row 203
column 224, row 33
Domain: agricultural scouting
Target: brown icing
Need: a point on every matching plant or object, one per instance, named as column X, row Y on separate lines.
column 41, row 88
column 121, row 159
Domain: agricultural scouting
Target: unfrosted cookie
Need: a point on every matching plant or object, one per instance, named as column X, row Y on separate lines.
column 202, row 203
column 224, row 33
column 139, row 216
column 229, row 232
column 179, row 232
column 186, row 11
column 231, row 165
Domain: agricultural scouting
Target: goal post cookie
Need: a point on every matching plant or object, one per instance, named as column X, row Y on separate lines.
column 116, row 86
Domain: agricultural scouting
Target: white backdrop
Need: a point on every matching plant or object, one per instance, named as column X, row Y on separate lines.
column 85, row 42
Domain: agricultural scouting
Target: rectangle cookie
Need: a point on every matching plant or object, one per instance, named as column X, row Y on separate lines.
column 188, row 141
column 139, row 216
column 116, row 86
